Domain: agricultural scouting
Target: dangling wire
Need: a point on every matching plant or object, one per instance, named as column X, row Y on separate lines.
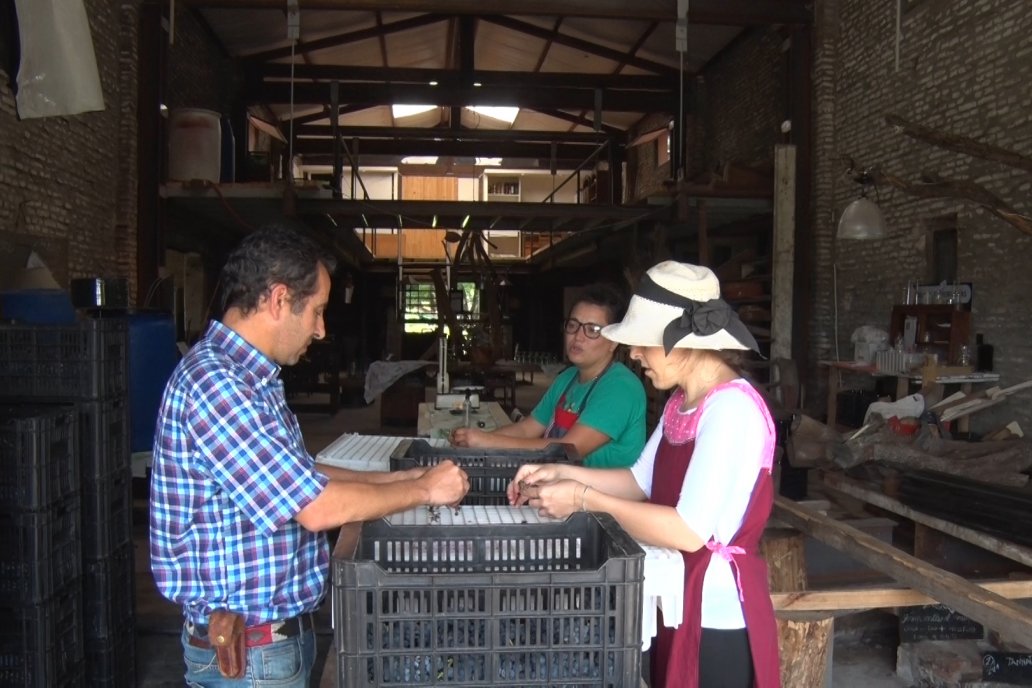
column 290, row 137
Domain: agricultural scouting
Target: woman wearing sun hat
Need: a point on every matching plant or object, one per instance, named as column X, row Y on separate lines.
column 702, row 485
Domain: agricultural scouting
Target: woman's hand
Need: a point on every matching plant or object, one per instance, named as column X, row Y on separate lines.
column 468, row 437
column 556, row 500
column 531, row 475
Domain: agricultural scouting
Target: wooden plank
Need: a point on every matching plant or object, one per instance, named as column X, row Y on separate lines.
column 1005, row 548
column 783, row 267
column 988, row 608
column 858, row 599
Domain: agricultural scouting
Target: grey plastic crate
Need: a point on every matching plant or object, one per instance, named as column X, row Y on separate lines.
column 39, row 464
column 490, row 470
column 87, row 360
column 551, row 604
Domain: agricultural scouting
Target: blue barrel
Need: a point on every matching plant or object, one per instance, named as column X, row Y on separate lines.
column 152, row 358
column 38, row 306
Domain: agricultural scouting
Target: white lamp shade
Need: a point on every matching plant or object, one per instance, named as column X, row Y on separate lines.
column 862, row 219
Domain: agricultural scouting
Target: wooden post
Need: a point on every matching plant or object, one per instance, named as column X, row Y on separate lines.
column 804, row 640
column 783, row 251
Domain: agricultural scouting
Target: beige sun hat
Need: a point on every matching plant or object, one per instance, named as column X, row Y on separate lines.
column 678, row 305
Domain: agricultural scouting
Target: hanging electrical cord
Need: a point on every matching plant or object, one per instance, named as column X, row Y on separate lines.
column 293, row 33
column 681, row 43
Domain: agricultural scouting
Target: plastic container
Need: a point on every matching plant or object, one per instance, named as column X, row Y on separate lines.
column 555, row 603
column 39, row 449
column 40, row 553
column 111, row 662
column 42, row 644
column 490, row 470
column 63, row 362
column 38, row 306
column 108, row 594
column 194, row 145
column 104, row 439
column 107, row 516
column 152, row 358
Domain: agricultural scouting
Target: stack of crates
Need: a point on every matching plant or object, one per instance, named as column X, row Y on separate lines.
column 41, row 643
column 86, row 365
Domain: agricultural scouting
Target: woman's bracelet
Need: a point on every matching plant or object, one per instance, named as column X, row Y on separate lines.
column 583, row 492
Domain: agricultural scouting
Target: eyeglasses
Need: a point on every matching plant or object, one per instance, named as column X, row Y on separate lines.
column 591, row 330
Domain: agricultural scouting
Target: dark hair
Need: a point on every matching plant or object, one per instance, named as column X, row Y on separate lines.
column 604, row 295
column 277, row 253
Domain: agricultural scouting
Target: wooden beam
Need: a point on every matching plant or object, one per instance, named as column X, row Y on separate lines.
column 343, row 38
column 959, row 144
column 988, row 608
column 783, row 251
column 455, row 77
column 469, row 149
column 858, row 599
column 934, row 186
column 723, row 12
column 614, row 100
column 1004, row 548
column 580, row 44
column 580, row 121
column 420, row 134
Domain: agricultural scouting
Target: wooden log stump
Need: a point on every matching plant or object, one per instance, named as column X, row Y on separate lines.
column 804, row 640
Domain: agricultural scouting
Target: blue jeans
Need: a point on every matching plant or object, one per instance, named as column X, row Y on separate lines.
column 283, row 664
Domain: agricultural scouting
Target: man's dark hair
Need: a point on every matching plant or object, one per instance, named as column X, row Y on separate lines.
column 604, row 295
column 277, row 253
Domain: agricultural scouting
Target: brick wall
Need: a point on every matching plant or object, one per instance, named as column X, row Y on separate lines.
column 964, row 68
column 734, row 107
column 741, row 99
column 70, row 181
column 200, row 75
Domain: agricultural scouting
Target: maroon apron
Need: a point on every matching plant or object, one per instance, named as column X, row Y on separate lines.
column 675, row 655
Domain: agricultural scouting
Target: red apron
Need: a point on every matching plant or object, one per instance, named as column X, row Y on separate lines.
column 675, row 655
column 563, row 416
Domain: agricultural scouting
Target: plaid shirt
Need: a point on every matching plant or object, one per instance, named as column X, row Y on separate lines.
column 230, row 473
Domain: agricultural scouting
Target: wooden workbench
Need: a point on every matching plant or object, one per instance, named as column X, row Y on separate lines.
column 440, row 422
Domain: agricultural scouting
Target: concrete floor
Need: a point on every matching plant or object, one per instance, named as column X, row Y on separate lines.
column 864, row 655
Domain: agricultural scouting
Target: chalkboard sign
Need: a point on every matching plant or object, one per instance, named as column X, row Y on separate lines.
column 1007, row 667
column 937, row 622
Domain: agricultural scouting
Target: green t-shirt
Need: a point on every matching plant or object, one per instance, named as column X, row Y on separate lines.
column 615, row 407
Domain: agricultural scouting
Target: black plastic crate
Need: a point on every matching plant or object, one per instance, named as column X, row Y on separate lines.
column 40, row 553
column 42, row 644
column 111, row 661
column 38, row 456
column 490, row 470
column 107, row 515
column 107, row 595
column 87, row 360
column 522, row 604
column 104, row 438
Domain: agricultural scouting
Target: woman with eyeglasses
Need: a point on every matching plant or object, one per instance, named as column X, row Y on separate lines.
column 596, row 404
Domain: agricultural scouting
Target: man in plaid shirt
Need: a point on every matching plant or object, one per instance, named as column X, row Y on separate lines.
column 237, row 503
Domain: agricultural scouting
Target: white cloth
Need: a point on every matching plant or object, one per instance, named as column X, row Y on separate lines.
column 717, row 486
column 908, row 407
column 383, row 374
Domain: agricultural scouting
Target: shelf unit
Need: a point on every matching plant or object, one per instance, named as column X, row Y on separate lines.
column 498, row 187
column 941, row 328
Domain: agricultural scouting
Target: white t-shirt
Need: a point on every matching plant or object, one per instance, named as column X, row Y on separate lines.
column 728, row 457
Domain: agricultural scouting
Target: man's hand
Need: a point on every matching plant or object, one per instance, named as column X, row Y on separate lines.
column 446, row 484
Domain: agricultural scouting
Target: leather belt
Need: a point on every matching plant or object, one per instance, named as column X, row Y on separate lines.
column 256, row 636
